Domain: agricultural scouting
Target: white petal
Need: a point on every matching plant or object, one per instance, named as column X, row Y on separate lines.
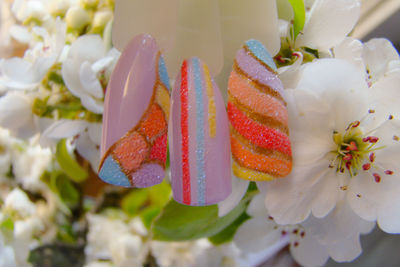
column 102, row 63
column 383, row 95
column 15, row 110
column 363, row 196
column 239, row 189
column 327, row 196
column 71, row 78
column 257, row 234
column 311, row 126
column 338, row 225
column 256, row 207
column 18, row 69
column 302, row 193
column 93, row 105
column 351, row 50
column 309, row 252
column 377, row 54
column 94, row 131
column 89, row 80
column 87, row 149
column 328, row 23
column 389, row 213
column 20, row 33
column 88, row 47
column 62, row 129
column 341, row 85
column 347, row 250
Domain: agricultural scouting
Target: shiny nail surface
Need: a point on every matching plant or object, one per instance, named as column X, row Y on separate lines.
column 135, row 120
column 260, row 143
column 199, row 138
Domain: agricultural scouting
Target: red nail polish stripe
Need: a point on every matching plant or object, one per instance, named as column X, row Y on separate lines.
column 185, row 134
column 257, row 133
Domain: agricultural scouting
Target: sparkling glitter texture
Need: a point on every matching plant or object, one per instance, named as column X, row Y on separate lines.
column 258, row 117
column 200, row 169
column 138, row 158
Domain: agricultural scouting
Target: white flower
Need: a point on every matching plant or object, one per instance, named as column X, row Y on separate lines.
column 17, row 201
column 113, row 239
column 29, row 165
column 87, row 60
column 312, row 242
column 16, row 114
column 178, row 254
column 27, row 73
column 343, row 149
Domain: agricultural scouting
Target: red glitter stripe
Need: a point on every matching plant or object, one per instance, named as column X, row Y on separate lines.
column 257, row 133
column 185, row 134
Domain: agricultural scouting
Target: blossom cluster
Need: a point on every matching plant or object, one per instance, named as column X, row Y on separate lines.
column 341, row 96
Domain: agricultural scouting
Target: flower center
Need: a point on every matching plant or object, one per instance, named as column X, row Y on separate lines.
column 355, row 152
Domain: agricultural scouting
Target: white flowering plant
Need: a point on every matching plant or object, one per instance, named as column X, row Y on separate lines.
column 342, row 101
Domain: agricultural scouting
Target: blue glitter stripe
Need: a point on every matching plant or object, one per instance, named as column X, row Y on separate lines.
column 162, row 72
column 261, row 53
column 201, row 176
column 112, row 174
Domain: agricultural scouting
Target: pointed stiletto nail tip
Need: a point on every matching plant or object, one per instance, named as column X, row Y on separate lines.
column 199, row 138
column 258, row 116
column 135, row 120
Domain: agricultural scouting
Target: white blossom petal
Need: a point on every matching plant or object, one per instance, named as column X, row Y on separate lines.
column 239, row 189
column 249, row 238
column 309, row 252
column 351, row 50
column 377, row 54
column 89, row 80
column 328, row 23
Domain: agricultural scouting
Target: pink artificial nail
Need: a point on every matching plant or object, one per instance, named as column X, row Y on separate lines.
column 199, row 138
column 135, row 121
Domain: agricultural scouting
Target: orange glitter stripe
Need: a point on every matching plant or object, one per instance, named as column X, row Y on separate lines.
column 259, row 162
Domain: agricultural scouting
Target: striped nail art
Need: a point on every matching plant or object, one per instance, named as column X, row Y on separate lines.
column 258, row 116
column 199, row 142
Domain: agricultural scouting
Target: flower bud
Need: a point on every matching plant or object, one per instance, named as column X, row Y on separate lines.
column 77, row 18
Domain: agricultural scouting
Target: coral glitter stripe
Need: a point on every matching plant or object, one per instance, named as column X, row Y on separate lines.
column 185, row 134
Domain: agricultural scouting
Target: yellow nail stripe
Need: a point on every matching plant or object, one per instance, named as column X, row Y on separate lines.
column 211, row 103
column 250, row 175
column 162, row 98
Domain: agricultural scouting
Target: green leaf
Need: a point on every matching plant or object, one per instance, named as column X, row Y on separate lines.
column 299, row 16
column 68, row 192
column 148, row 215
column 179, row 222
column 133, row 201
column 227, row 234
column 7, row 224
column 160, row 194
column 68, row 164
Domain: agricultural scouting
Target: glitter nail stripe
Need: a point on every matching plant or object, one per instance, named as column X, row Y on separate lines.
column 201, row 176
column 185, row 135
column 259, row 162
column 250, row 174
column 259, row 102
column 211, row 104
column 258, row 51
column 257, row 133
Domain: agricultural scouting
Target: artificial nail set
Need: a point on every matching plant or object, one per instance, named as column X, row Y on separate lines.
column 138, row 119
